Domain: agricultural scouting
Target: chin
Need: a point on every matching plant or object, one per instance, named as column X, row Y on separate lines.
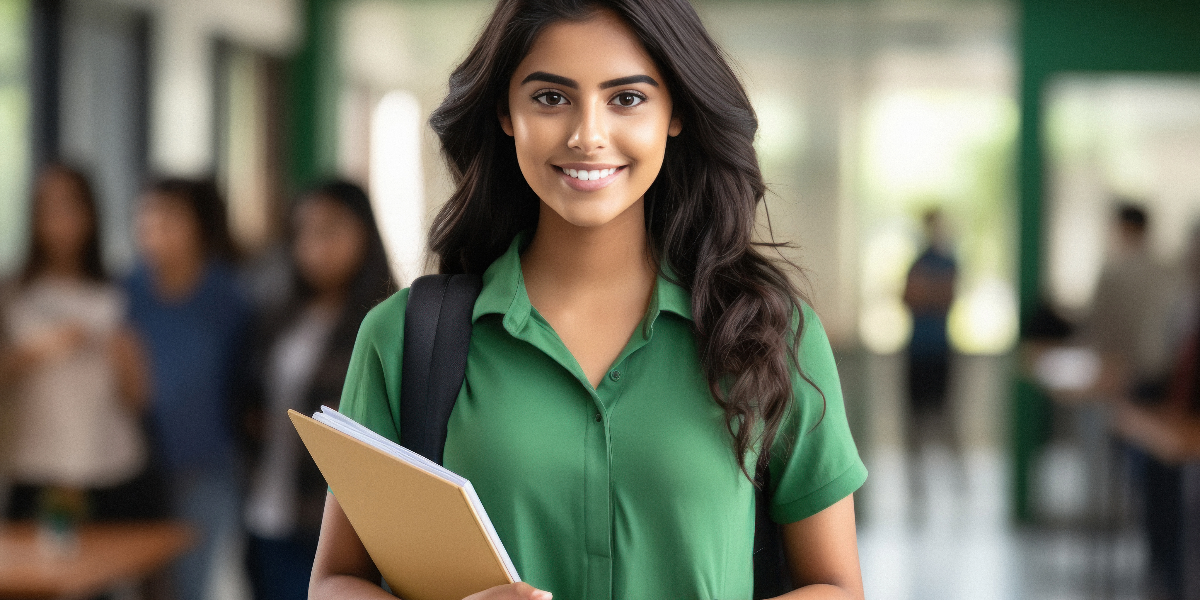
column 588, row 219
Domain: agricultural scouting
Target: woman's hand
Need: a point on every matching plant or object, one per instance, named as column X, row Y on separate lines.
column 16, row 361
column 55, row 344
column 344, row 571
column 132, row 368
column 512, row 591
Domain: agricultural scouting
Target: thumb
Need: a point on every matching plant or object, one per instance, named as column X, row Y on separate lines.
column 528, row 592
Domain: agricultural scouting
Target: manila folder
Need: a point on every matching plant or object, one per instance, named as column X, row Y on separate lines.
column 419, row 529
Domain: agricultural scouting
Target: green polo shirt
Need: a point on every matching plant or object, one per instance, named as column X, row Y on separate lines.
column 627, row 491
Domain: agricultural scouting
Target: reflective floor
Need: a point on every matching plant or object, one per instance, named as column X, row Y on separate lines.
column 958, row 543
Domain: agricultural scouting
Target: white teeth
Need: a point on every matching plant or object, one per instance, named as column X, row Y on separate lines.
column 591, row 175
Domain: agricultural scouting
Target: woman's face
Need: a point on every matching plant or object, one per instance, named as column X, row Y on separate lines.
column 590, row 115
column 330, row 244
column 168, row 233
column 63, row 223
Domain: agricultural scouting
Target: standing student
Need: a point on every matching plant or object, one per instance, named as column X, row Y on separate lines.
column 636, row 361
column 929, row 294
column 299, row 362
column 189, row 310
column 70, row 364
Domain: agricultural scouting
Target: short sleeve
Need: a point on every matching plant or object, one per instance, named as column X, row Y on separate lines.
column 371, row 394
column 814, row 461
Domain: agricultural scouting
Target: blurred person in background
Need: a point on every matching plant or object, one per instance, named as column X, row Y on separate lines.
column 1162, row 484
column 192, row 315
column 73, row 370
column 299, row 362
column 1127, row 325
column 928, row 293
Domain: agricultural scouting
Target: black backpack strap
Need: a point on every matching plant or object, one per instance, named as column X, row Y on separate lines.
column 771, row 574
column 437, row 336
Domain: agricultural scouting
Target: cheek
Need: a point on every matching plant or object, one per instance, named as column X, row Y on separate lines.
column 329, row 260
column 168, row 237
column 535, row 140
column 648, row 137
column 307, row 254
column 346, row 256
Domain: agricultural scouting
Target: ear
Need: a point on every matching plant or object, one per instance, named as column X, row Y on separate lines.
column 674, row 128
column 505, row 119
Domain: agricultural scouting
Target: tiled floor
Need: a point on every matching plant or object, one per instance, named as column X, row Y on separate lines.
column 961, row 546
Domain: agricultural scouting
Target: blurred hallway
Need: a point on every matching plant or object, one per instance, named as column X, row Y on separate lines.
column 967, row 548
column 1025, row 122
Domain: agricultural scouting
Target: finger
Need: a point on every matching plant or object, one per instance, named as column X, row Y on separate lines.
column 528, row 592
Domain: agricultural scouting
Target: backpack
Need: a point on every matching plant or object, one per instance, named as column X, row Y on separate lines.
column 437, row 337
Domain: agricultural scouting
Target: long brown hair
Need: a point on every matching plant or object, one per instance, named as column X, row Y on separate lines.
column 91, row 262
column 700, row 211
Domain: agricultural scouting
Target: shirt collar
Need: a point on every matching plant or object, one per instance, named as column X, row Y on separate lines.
column 504, row 286
column 504, row 290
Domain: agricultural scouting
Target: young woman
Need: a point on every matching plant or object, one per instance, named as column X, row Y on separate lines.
column 77, row 377
column 188, row 308
column 299, row 362
column 636, row 362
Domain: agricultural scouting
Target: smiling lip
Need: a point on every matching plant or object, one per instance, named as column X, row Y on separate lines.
column 598, row 176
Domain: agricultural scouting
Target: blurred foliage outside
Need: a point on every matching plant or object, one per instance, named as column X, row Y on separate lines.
column 949, row 149
column 14, row 131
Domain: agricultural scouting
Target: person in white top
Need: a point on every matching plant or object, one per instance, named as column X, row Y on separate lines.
column 72, row 380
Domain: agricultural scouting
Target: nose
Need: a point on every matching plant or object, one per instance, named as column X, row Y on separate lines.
column 591, row 129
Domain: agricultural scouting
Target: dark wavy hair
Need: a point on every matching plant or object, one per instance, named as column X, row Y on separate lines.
column 700, row 211
column 91, row 262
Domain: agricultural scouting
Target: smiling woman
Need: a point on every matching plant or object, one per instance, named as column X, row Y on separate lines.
column 590, row 134
column 637, row 366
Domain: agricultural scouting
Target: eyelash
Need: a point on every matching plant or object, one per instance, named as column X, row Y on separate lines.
column 540, row 96
column 640, row 97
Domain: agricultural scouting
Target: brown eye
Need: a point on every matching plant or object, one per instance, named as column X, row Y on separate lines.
column 628, row 99
column 551, row 98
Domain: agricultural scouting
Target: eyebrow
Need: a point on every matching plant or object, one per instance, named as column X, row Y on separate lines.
column 628, row 80
column 551, row 78
column 571, row 83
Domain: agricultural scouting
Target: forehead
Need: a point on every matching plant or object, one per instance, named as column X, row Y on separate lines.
column 322, row 207
column 599, row 48
column 59, row 182
column 167, row 205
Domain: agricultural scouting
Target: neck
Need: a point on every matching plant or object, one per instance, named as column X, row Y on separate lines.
column 328, row 300
column 569, row 257
column 63, row 267
column 179, row 280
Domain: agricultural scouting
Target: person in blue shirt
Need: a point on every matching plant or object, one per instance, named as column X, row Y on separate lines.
column 185, row 303
column 928, row 293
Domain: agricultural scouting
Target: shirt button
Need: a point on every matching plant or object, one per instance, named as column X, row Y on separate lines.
column 599, row 418
column 615, row 375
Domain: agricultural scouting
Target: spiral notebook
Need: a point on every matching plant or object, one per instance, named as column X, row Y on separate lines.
column 422, row 524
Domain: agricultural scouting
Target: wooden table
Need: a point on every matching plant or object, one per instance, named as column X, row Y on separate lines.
column 108, row 554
